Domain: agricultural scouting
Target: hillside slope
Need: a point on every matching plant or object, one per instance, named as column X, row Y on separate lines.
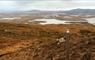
column 39, row 42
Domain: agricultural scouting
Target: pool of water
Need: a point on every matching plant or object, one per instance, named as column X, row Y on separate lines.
column 91, row 20
column 50, row 21
column 10, row 18
column 55, row 21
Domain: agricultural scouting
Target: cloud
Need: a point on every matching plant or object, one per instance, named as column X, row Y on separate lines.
column 45, row 4
column 47, row 0
column 59, row 5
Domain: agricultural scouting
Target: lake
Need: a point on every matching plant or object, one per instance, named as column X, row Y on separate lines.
column 56, row 21
column 10, row 18
column 91, row 20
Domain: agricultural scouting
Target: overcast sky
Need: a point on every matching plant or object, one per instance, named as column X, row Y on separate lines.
column 12, row 5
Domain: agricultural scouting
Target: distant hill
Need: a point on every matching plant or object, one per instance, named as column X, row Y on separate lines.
column 70, row 12
column 81, row 12
column 44, row 12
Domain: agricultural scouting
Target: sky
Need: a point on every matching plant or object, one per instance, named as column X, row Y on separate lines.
column 24, row 5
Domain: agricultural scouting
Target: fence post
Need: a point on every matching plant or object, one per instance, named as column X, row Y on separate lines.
column 67, row 44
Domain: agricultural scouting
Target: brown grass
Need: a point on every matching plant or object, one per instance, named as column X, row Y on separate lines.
column 38, row 42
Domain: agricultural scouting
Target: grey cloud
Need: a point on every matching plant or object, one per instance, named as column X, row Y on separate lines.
column 46, row 0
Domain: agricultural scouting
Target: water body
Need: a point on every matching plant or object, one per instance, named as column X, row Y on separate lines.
column 10, row 18
column 50, row 21
column 56, row 21
column 91, row 20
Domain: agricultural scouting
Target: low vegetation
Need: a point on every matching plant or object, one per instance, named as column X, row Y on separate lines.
column 38, row 42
